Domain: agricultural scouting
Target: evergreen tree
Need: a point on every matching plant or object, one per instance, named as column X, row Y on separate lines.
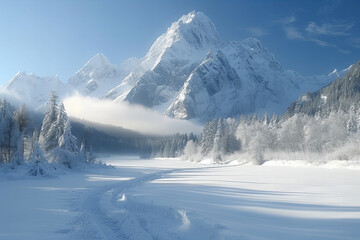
column 22, row 120
column 351, row 124
column 61, row 120
column 67, row 152
column 67, row 141
column 10, row 137
column 49, row 133
column 56, row 137
column 34, row 139
column 39, row 165
column 218, row 144
column 207, row 137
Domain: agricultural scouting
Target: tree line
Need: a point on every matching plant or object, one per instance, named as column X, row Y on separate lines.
column 329, row 134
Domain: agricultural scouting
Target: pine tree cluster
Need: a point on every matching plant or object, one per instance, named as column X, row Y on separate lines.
column 54, row 146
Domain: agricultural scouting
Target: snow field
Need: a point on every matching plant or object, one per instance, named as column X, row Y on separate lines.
column 171, row 199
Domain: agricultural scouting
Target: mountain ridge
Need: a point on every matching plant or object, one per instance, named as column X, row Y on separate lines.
column 341, row 93
column 163, row 77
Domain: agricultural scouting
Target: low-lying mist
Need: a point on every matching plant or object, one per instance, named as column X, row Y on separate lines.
column 130, row 116
column 10, row 96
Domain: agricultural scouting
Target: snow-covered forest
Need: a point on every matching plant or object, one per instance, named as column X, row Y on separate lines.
column 41, row 151
column 331, row 134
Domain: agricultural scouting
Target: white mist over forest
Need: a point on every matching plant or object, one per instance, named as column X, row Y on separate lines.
column 129, row 116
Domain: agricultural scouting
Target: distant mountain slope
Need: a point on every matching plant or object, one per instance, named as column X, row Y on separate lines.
column 343, row 92
column 34, row 90
column 98, row 76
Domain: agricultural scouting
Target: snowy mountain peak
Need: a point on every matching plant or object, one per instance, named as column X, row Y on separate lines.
column 197, row 29
column 34, row 90
column 168, row 63
column 254, row 45
column 98, row 60
column 98, row 75
column 190, row 17
column 336, row 73
column 30, row 78
column 252, row 42
column 191, row 31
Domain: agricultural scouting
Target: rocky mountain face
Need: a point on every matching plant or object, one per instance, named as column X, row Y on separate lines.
column 344, row 92
column 208, row 90
column 190, row 73
column 252, row 81
column 169, row 62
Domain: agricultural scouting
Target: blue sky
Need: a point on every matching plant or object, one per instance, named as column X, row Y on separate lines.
column 58, row 37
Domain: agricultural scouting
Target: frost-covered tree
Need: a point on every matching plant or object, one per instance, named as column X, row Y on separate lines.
column 56, row 138
column 190, row 151
column 229, row 141
column 39, row 165
column 67, row 141
column 291, row 133
column 90, row 156
column 351, row 123
column 34, row 139
column 61, row 120
column 67, row 152
column 49, row 133
column 218, row 139
column 11, row 139
column 207, row 137
column 218, row 143
column 22, row 120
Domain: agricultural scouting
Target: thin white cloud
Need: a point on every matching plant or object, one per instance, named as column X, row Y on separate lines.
column 133, row 117
column 321, row 42
column 312, row 30
column 330, row 29
column 293, row 34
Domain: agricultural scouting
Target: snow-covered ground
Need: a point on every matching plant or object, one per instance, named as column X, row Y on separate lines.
column 171, row 199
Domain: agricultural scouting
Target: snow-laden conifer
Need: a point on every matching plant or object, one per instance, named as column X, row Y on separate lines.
column 39, row 165
column 49, row 133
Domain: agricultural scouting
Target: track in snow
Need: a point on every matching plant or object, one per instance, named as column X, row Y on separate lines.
column 109, row 213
